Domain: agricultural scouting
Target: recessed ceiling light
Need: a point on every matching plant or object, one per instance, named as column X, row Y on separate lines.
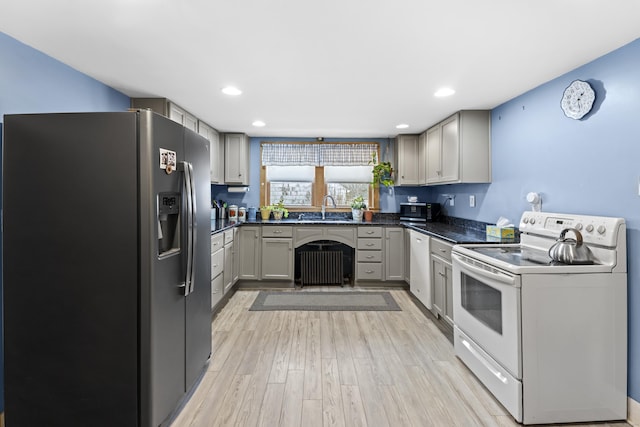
column 231, row 90
column 402, row 126
column 259, row 123
column 445, row 91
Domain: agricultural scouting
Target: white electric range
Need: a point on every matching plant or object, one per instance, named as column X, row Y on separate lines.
column 549, row 340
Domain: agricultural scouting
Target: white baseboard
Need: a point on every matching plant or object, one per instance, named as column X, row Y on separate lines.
column 633, row 415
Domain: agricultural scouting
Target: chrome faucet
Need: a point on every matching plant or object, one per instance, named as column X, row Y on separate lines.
column 324, row 201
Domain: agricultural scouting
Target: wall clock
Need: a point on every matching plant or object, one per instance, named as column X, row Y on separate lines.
column 577, row 99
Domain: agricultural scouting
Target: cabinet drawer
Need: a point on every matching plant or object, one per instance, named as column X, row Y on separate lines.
column 217, row 262
column 441, row 248
column 217, row 241
column 277, row 231
column 368, row 271
column 369, row 256
column 369, row 231
column 228, row 236
column 370, row 244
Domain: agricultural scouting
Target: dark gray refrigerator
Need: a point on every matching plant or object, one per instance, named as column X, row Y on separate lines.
column 106, row 268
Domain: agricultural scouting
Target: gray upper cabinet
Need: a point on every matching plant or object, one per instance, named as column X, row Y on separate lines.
column 236, row 159
column 406, row 154
column 458, row 149
column 216, row 152
column 422, row 158
column 180, row 115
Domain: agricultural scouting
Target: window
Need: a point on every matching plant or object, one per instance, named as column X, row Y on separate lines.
column 346, row 182
column 301, row 174
column 294, row 184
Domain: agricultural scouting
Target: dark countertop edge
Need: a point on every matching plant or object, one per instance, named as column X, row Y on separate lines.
column 453, row 234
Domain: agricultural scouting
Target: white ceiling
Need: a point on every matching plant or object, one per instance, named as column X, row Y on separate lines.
column 331, row 68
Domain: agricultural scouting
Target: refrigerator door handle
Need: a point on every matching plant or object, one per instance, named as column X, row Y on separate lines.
column 189, row 189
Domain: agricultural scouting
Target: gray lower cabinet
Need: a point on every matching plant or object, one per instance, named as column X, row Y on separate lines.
column 407, row 257
column 217, row 267
column 228, row 260
column 249, row 252
column 394, row 253
column 369, row 254
column 236, row 256
column 442, row 279
column 277, row 253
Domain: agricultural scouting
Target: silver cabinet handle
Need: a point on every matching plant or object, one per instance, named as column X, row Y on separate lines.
column 369, row 256
column 370, row 244
column 277, row 231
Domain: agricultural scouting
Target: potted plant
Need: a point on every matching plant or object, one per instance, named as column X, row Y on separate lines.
column 357, row 205
column 279, row 210
column 382, row 172
column 265, row 212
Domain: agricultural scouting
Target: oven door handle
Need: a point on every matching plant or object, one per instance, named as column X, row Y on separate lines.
column 488, row 272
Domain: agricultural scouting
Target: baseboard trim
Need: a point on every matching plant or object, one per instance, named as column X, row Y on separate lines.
column 633, row 412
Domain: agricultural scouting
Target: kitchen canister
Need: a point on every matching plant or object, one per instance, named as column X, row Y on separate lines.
column 242, row 214
column 251, row 214
column 233, row 213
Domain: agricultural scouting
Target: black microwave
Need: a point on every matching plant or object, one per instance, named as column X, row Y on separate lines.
column 419, row 211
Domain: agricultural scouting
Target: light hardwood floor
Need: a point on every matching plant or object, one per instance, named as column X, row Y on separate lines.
column 341, row 368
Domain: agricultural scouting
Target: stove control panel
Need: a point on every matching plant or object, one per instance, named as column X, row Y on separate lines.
column 594, row 229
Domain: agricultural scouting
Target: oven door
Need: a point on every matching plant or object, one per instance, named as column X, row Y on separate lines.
column 486, row 307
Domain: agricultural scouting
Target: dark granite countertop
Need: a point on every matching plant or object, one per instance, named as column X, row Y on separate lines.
column 454, row 234
column 450, row 229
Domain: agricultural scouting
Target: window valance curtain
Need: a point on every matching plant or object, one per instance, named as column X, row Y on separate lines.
column 317, row 154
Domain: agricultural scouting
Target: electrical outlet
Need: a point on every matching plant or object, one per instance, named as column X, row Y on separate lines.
column 450, row 198
column 472, row 201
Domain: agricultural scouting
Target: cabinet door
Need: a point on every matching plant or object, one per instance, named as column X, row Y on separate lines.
column 180, row 115
column 407, row 151
column 422, row 158
column 433, row 154
column 277, row 258
column 420, row 285
column 236, row 159
column 217, row 286
column 394, row 253
column 236, row 256
column 450, row 146
column 448, row 307
column 249, row 252
column 215, row 152
column 228, row 267
column 191, row 122
column 438, row 282
column 407, row 257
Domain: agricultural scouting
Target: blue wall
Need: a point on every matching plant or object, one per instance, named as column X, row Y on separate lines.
column 31, row 82
column 589, row 166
